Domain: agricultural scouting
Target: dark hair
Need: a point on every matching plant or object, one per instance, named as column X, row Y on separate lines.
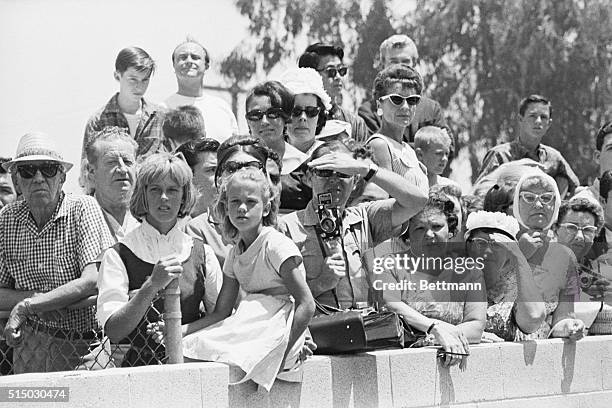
column 393, row 74
column 605, row 184
column 184, row 123
column 194, row 41
column 582, row 204
column 280, row 96
column 499, row 198
column 240, row 143
column 534, row 99
column 134, row 57
column 603, row 131
column 2, row 161
column 472, row 203
column 437, row 204
column 313, row 53
column 190, row 150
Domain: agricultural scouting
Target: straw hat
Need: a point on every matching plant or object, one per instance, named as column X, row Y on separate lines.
column 36, row 146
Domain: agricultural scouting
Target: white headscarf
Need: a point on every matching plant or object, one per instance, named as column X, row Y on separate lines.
column 540, row 175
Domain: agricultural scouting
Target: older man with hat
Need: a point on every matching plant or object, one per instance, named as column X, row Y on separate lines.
column 47, row 241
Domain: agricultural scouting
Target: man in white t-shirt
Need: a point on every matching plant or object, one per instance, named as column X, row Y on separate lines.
column 191, row 60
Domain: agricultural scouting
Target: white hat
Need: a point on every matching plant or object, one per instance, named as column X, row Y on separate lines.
column 305, row 81
column 36, row 146
column 334, row 127
column 492, row 220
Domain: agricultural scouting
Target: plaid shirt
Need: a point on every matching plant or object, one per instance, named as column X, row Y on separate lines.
column 149, row 134
column 554, row 163
column 42, row 261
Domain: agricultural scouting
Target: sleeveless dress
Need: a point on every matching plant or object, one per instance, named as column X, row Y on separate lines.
column 404, row 161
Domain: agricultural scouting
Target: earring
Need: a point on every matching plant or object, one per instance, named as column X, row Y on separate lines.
column 379, row 112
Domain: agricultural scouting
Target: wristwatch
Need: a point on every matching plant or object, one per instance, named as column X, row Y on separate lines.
column 431, row 326
column 373, row 170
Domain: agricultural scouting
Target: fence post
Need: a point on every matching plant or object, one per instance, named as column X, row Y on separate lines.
column 172, row 318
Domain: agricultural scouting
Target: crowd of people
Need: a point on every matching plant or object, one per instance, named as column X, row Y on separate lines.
column 265, row 230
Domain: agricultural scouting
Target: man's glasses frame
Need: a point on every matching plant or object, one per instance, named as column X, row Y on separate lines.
column 48, row 170
column 331, row 72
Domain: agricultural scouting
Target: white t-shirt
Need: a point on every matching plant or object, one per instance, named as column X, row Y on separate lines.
column 219, row 120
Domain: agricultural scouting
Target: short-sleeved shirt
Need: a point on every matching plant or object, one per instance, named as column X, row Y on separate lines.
column 44, row 260
column 149, row 134
column 554, row 163
column 363, row 226
column 257, row 269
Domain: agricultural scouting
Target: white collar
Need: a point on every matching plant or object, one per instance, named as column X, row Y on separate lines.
column 149, row 245
column 292, row 159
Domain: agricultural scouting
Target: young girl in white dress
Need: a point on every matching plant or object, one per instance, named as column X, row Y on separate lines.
column 266, row 334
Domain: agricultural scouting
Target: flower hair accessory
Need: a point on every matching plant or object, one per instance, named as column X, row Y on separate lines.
column 492, row 220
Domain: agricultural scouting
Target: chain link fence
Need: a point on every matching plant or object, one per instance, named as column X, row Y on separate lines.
column 45, row 349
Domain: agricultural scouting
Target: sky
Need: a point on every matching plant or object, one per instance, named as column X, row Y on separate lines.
column 58, row 59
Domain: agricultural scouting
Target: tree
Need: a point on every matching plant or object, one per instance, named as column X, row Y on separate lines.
column 492, row 53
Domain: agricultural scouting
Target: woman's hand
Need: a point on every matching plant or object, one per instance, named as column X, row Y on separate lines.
column 452, row 340
column 530, row 242
column 157, row 330
column 164, row 271
column 571, row 329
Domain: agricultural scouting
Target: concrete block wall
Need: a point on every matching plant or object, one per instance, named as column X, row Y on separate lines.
column 547, row 373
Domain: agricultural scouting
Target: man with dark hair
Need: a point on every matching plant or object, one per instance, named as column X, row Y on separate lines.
column 400, row 49
column 128, row 109
column 181, row 125
column 7, row 191
column 603, row 158
column 326, row 59
column 534, row 120
column 191, row 61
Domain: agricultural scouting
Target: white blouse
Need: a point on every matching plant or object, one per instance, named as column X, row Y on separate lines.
column 150, row 246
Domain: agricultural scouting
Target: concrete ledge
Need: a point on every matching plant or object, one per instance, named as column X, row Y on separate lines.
column 551, row 373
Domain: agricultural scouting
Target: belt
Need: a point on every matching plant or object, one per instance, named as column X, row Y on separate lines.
column 65, row 334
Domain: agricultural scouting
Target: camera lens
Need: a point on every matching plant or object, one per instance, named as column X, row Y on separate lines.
column 328, row 225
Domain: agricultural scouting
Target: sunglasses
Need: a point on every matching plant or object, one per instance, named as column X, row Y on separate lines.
column 28, row 171
column 398, row 100
column 331, row 72
column 256, row 115
column 588, row 231
column 311, row 111
column 330, row 173
column 234, row 166
column 530, row 198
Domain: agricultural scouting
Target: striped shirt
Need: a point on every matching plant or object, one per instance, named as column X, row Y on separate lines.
column 44, row 260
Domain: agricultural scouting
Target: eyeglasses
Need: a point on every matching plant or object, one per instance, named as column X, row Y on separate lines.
column 530, row 198
column 330, row 173
column 311, row 111
column 481, row 244
column 256, row 115
column 333, row 71
column 234, row 166
column 588, row 231
column 398, row 100
column 28, row 171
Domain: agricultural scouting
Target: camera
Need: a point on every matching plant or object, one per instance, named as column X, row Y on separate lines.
column 329, row 218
